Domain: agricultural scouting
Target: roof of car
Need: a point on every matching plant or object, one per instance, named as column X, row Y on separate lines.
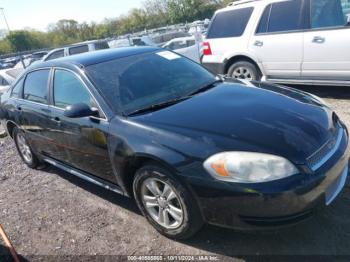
column 91, row 58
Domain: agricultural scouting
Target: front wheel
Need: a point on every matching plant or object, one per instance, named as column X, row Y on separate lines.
column 245, row 71
column 167, row 205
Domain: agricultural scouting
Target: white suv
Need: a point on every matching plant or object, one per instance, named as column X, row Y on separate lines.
column 284, row 41
column 75, row 49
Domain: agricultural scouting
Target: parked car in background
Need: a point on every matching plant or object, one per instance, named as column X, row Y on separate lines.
column 161, row 39
column 7, row 77
column 190, row 147
column 9, row 62
column 293, row 41
column 38, row 55
column 78, row 48
column 24, row 62
column 131, row 41
column 186, row 46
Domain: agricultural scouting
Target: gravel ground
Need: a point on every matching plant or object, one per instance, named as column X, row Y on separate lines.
column 50, row 214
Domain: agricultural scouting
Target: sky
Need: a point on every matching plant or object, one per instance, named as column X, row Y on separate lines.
column 37, row 14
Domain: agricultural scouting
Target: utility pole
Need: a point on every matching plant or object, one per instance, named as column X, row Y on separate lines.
column 3, row 14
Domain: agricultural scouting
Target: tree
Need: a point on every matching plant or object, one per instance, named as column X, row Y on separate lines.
column 23, row 40
column 152, row 14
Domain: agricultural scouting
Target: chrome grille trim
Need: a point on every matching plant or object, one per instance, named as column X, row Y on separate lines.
column 321, row 156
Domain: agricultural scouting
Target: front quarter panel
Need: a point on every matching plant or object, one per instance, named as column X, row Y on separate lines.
column 179, row 153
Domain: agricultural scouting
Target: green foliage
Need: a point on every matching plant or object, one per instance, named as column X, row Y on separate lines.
column 24, row 40
column 154, row 13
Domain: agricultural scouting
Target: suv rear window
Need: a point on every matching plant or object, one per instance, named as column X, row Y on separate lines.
column 101, row 45
column 78, row 49
column 230, row 23
column 55, row 55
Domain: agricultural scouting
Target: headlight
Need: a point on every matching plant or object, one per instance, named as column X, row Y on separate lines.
column 246, row 167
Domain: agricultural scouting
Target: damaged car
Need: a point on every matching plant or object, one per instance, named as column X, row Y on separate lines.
column 190, row 147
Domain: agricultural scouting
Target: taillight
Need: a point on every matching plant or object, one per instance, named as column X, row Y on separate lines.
column 206, row 48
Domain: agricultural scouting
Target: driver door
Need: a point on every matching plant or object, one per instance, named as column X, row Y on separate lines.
column 81, row 141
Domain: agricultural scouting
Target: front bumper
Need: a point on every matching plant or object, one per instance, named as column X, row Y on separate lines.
column 254, row 209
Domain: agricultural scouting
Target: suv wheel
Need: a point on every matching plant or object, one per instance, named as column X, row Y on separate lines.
column 244, row 70
column 167, row 205
column 24, row 149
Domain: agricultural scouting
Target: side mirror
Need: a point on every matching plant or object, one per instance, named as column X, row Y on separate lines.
column 80, row 110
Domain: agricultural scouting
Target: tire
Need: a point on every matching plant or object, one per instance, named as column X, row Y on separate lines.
column 187, row 223
column 24, row 150
column 244, row 70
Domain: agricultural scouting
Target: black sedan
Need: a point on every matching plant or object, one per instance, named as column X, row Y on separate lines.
column 190, row 147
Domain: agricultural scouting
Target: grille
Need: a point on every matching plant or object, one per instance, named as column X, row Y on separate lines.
column 323, row 154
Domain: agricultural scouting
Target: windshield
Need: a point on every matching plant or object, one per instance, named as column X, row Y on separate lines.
column 136, row 82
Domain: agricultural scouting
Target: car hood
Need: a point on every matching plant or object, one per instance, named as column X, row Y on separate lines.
column 261, row 118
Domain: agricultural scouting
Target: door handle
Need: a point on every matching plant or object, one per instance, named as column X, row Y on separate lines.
column 319, row 40
column 259, row 43
column 56, row 119
column 19, row 108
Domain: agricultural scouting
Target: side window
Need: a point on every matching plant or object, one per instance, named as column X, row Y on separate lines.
column 262, row 27
column 17, row 89
column 69, row 90
column 329, row 13
column 230, row 23
column 78, row 49
column 285, row 16
column 35, row 86
column 55, row 55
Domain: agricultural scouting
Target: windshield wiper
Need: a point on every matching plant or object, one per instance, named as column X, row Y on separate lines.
column 155, row 107
column 206, row 87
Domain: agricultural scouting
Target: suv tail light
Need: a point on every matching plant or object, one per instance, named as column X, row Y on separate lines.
column 206, row 48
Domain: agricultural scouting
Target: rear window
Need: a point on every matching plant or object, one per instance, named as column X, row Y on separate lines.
column 55, row 55
column 78, row 49
column 101, row 45
column 230, row 23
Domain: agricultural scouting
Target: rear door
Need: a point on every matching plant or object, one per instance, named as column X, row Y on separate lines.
column 327, row 42
column 34, row 110
column 278, row 39
column 83, row 140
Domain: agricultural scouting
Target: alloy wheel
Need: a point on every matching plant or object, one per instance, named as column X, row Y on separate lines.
column 162, row 203
column 243, row 73
column 24, row 148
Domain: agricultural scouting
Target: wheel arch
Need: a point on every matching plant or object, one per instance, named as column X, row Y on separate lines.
column 133, row 163
column 236, row 58
column 10, row 125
